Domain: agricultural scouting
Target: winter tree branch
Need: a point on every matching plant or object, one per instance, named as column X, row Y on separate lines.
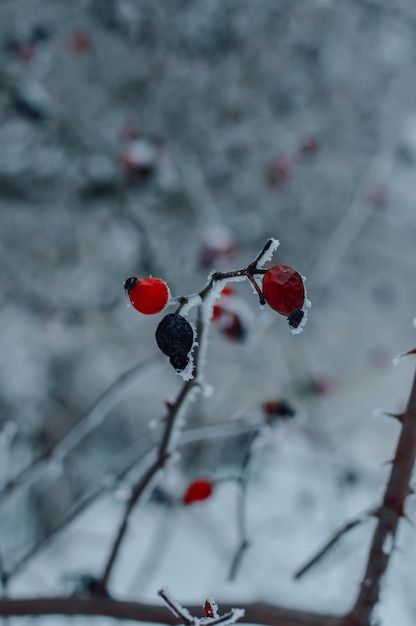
column 390, row 513
column 257, row 613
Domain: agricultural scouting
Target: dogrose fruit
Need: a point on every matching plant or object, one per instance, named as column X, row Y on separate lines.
column 199, row 489
column 284, row 291
column 147, row 295
column 175, row 338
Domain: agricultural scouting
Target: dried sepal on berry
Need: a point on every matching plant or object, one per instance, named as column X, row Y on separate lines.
column 147, row 295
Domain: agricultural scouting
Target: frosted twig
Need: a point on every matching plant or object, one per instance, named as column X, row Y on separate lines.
column 58, row 452
column 332, row 542
column 177, row 609
column 244, row 543
column 135, row 456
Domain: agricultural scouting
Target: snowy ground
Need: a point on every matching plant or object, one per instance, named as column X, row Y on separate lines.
column 216, row 91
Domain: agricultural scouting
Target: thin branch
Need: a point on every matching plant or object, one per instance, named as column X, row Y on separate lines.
column 244, row 542
column 89, row 422
column 330, row 544
column 177, row 609
column 390, row 513
column 191, row 435
column 140, row 487
column 257, row 613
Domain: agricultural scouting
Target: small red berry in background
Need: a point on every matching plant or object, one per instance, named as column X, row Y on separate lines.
column 139, row 158
column 279, row 171
column 229, row 315
column 217, row 245
column 25, row 52
column 378, row 198
column 278, row 408
column 147, row 295
column 199, row 489
column 228, row 290
column 309, row 146
column 129, row 132
column 79, row 42
column 322, row 385
column 283, row 289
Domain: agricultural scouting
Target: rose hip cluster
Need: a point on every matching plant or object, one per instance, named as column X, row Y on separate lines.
column 282, row 289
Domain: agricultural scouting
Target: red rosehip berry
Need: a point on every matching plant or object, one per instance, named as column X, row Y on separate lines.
column 279, row 171
column 284, row 292
column 79, row 42
column 147, row 295
column 227, row 290
column 199, row 489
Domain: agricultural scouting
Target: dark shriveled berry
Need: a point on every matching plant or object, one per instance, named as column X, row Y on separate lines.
column 175, row 338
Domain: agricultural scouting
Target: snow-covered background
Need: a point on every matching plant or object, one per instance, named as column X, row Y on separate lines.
column 208, row 94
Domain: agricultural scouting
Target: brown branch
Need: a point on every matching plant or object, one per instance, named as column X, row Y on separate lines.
column 177, row 609
column 390, row 513
column 145, row 481
column 257, row 613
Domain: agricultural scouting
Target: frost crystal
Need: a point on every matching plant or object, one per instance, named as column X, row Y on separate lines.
column 268, row 254
column 306, row 305
column 388, row 544
column 192, row 301
column 397, row 359
column 177, row 609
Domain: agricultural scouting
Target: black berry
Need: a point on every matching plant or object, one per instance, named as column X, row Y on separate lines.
column 175, row 338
